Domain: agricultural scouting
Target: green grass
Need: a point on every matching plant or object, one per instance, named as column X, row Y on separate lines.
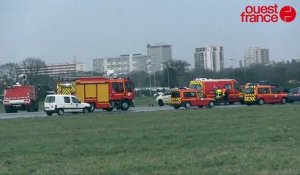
column 248, row 140
column 145, row 101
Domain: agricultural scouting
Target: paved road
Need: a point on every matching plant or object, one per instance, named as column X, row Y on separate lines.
column 23, row 114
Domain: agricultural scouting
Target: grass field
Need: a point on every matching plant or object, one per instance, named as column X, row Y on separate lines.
column 248, row 140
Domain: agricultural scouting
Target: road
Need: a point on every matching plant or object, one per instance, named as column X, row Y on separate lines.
column 24, row 114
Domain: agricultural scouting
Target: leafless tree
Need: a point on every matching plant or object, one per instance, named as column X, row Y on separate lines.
column 32, row 68
column 8, row 73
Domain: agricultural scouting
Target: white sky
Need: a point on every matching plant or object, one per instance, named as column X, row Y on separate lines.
column 58, row 30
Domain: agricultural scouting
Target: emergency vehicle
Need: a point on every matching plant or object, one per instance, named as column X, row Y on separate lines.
column 186, row 97
column 64, row 103
column 105, row 93
column 20, row 97
column 207, row 87
column 262, row 94
column 65, row 88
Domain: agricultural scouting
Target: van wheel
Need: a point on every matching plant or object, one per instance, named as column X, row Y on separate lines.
column 261, row 102
column 176, row 107
column 49, row 113
column 160, row 103
column 187, row 105
column 85, row 110
column 60, row 112
column 211, row 104
column 124, row 105
column 283, row 101
column 92, row 107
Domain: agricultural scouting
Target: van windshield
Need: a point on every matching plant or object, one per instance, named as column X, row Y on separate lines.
column 50, row 99
column 129, row 86
column 196, row 86
column 249, row 91
column 175, row 94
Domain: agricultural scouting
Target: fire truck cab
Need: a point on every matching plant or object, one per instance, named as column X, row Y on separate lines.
column 106, row 93
column 262, row 94
column 207, row 87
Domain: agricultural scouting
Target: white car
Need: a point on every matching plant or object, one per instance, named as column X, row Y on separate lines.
column 64, row 103
column 164, row 98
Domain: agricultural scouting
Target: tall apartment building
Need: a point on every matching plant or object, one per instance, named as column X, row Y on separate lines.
column 58, row 70
column 121, row 65
column 256, row 55
column 158, row 53
column 209, row 58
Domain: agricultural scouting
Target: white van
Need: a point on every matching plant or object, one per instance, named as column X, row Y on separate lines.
column 64, row 103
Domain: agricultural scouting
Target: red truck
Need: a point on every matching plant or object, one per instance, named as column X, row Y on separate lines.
column 106, row 93
column 20, row 97
column 208, row 87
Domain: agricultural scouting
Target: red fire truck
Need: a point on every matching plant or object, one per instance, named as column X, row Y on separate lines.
column 20, row 97
column 106, row 93
column 207, row 87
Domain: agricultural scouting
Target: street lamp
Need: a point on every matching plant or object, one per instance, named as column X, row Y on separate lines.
column 232, row 63
column 168, row 73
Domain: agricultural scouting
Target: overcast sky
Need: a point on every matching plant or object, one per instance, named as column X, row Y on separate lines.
column 58, row 30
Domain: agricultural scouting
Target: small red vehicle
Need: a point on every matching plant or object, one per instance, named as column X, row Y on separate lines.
column 189, row 97
column 262, row 94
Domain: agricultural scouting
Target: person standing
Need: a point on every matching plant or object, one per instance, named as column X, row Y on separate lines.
column 225, row 94
column 218, row 95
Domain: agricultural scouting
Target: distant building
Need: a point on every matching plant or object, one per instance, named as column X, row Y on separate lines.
column 158, row 54
column 58, row 70
column 256, row 55
column 209, row 58
column 121, row 65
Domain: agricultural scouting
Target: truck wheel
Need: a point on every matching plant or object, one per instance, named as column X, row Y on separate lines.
column 14, row 110
column 8, row 109
column 124, row 105
column 261, row 102
column 160, row 103
column 36, row 106
column 92, row 107
column 283, row 101
column 49, row 113
column 31, row 107
column 187, row 105
column 108, row 109
column 60, row 112
column 85, row 110
column 211, row 104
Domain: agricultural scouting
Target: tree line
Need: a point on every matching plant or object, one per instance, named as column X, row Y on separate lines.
column 175, row 73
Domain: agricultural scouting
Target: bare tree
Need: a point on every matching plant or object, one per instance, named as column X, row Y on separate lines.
column 8, row 73
column 32, row 67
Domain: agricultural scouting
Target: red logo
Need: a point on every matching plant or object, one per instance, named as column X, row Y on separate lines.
column 268, row 14
column 288, row 14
